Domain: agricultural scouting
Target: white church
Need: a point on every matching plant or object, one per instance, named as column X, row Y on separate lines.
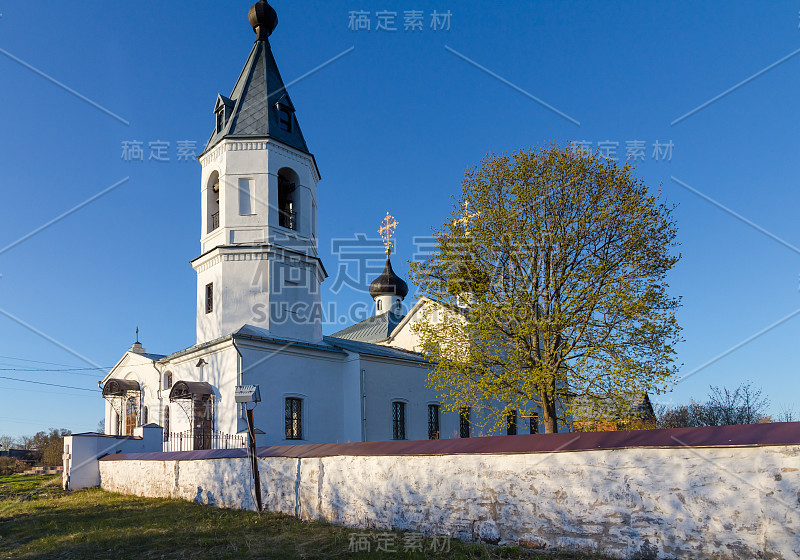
column 259, row 319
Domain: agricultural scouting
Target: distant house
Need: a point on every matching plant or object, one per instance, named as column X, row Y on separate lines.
column 634, row 413
column 23, row 455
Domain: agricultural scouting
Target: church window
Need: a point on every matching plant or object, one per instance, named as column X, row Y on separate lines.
column 144, row 416
column 210, row 297
column 463, row 422
column 398, row 420
column 168, row 380
column 511, row 423
column 131, row 413
column 116, row 424
column 294, row 418
column 380, row 305
column 534, row 423
column 433, row 421
column 220, row 120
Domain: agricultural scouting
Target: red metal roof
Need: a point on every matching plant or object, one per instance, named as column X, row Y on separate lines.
column 779, row 433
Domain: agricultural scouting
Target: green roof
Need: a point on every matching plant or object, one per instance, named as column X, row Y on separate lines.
column 373, row 329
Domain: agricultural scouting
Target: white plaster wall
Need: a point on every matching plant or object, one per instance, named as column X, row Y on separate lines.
column 81, row 451
column 722, row 503
column 220, row 372
column 351, row 399
column 311, row 375
column 243, row 275
column 387, row 381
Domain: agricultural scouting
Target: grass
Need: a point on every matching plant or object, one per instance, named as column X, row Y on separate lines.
column 39, row 520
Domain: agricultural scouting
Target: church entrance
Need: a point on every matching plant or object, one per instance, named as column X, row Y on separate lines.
column 196, row 399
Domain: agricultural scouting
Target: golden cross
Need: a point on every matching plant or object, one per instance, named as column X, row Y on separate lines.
column 467, row 216
column 386, row 230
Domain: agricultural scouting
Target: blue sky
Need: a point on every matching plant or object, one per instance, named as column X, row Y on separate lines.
column 393, row 124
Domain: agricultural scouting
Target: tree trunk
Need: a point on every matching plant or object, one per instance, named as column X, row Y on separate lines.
column 549, row 418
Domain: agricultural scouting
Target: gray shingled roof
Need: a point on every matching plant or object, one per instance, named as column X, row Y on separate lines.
column 329, row 344
column 256, row 94
column 373, row 329
column 368, row 349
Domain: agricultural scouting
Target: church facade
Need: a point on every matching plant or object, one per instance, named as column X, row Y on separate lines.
column 259, row 305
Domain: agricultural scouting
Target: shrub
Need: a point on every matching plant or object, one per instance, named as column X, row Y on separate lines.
column 9, row 465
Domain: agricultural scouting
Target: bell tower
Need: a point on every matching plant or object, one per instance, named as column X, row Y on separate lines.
column 258, row 263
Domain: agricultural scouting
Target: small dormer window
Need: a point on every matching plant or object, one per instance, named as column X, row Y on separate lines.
column 222, row 112
column 285, row 118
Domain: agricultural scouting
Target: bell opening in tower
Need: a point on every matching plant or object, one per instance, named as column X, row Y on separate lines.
column 212, row 202
column 287, row 208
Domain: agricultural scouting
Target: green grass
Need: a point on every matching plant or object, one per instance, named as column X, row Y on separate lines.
column 39, row 520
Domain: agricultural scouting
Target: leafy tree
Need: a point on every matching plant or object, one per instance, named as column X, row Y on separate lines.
column 50, row 444
column 556, row 263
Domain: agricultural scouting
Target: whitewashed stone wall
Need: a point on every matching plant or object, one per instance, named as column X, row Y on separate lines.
column 721, row 503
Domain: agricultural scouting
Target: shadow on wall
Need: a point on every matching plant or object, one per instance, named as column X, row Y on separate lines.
column 724, row 502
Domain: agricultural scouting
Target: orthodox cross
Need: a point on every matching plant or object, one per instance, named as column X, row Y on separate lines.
column 467, row 217
column 137, row 334
column 386, row 230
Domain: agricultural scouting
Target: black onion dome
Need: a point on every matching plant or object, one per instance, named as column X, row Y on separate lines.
column 388, row 283
column 263, row 18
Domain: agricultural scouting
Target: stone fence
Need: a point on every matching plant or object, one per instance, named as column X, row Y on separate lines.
column 722, row 493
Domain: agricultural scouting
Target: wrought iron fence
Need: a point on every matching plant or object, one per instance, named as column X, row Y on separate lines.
column 202, row 439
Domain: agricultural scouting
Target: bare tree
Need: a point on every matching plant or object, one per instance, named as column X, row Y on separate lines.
column 7, row 442
column 743, row 405
column 786, row 414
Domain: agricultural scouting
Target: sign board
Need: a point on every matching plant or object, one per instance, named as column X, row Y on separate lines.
column 247, row 393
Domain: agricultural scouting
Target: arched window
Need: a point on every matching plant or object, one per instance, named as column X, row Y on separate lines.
column 168, row 380
column 294, row 418
column 131, row 411
column 116, row 424
column 287, row 203
column 379, row 305
column 433, row 421
column 144, row 416
column 212, row 202
column 511, row 423
column 166, row 423
column 398, row 420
